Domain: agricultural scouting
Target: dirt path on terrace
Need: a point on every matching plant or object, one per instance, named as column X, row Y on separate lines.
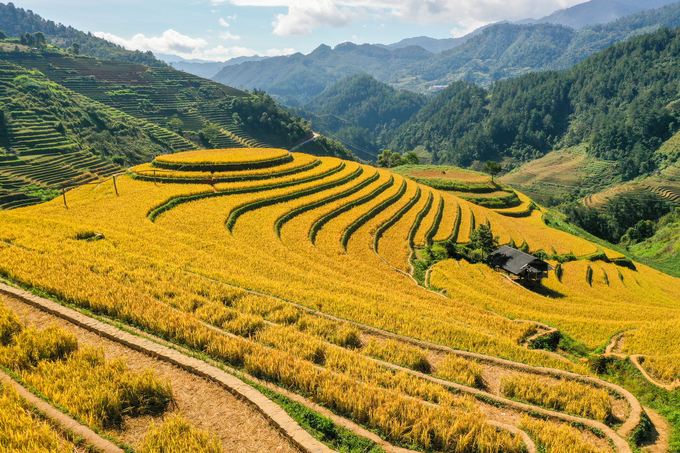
column 657, row 441
column 203, row 403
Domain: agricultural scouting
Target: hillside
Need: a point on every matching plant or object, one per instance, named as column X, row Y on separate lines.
column 52, row 137
column 358, row 109
column 17, row 21
column 71, row 119
column 496, row 52
column 598, row 12
column 293, row 272
column 527, row 117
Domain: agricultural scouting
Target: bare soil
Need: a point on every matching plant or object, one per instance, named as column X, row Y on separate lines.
column 657, row 440
column 204, row 404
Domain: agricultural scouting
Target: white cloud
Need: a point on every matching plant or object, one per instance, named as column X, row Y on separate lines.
column 277, row 52
column 174, row 43
column 227, row 35
column 170, row 42
column 223, row 22
column 303, row 16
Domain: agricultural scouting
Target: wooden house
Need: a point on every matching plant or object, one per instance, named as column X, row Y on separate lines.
column 523, row 265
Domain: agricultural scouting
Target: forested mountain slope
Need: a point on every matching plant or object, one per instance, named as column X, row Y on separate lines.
column 358, row 109
column 17, row 21
column 621, row 102
column 297, row 78
column 598, row 12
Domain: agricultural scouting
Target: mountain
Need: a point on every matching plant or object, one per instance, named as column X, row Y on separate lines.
column 497, row 52
column 17, row 21
column 622, row 103
column 358, row 109
column 597, row 12
column 207, row 69
column 297, row 78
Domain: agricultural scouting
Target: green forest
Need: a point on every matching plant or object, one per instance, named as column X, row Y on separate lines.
column 623, row 102
column 15, row 22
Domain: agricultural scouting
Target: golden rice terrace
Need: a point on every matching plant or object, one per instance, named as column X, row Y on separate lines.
column 296, row 270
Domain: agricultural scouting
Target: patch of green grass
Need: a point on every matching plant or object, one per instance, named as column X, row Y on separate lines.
column 667, row 404
column 322, row 428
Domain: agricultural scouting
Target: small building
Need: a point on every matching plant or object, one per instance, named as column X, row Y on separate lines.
column 520, row 264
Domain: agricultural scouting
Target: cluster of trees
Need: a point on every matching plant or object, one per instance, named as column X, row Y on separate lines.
column 482, row 242
column 25, row 25
column 388, row 159
column 620, row 101
column 260, row 115
column 626, row 218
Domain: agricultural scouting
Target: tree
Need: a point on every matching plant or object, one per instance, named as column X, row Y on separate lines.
column 492, row 168
column 27, row 39
column 482, row 238
column 75, row 48
column 176, row 124
column 411, row 158
column 40, row 39
column 388, row 159
column 3, row 36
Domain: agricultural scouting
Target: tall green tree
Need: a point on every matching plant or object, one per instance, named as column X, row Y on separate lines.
column 492, row 168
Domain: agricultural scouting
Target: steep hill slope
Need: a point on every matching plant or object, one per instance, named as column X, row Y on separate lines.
column 295, row 270
column 161, row 95
column 527, row 117
column 53, row 137
column 17, row 21
column 358, row 109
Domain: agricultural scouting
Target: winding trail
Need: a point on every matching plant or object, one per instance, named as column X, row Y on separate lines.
column 65, row 422
column 273, row 412
column 635, row 360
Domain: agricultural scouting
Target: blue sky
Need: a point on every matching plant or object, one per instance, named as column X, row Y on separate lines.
column 223, row 29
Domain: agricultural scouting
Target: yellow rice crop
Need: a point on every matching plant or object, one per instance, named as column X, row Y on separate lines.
column 99, row 391
column 299, row 161
column 449, row 217
column 458, row 369
column 188, row 260
column 561, row 395
column 394, row 246
column 21, row 432
column 428, row 220
column 558, row 438
column 398, row 352
column 227, row 155
column 177, row 436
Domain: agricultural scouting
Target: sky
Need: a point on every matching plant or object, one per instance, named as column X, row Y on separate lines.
column 218, row 30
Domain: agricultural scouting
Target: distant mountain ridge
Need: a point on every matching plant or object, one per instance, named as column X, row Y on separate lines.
column 498, row 52
column 597, row 12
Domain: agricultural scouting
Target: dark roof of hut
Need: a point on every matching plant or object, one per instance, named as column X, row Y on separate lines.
column 516, row 261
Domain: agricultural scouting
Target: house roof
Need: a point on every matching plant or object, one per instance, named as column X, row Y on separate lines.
column 516, row 261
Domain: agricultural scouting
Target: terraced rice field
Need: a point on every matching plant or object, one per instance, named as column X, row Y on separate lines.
column 42, row 157
column 664, row 188
column 302, row 279
column 154, row 95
